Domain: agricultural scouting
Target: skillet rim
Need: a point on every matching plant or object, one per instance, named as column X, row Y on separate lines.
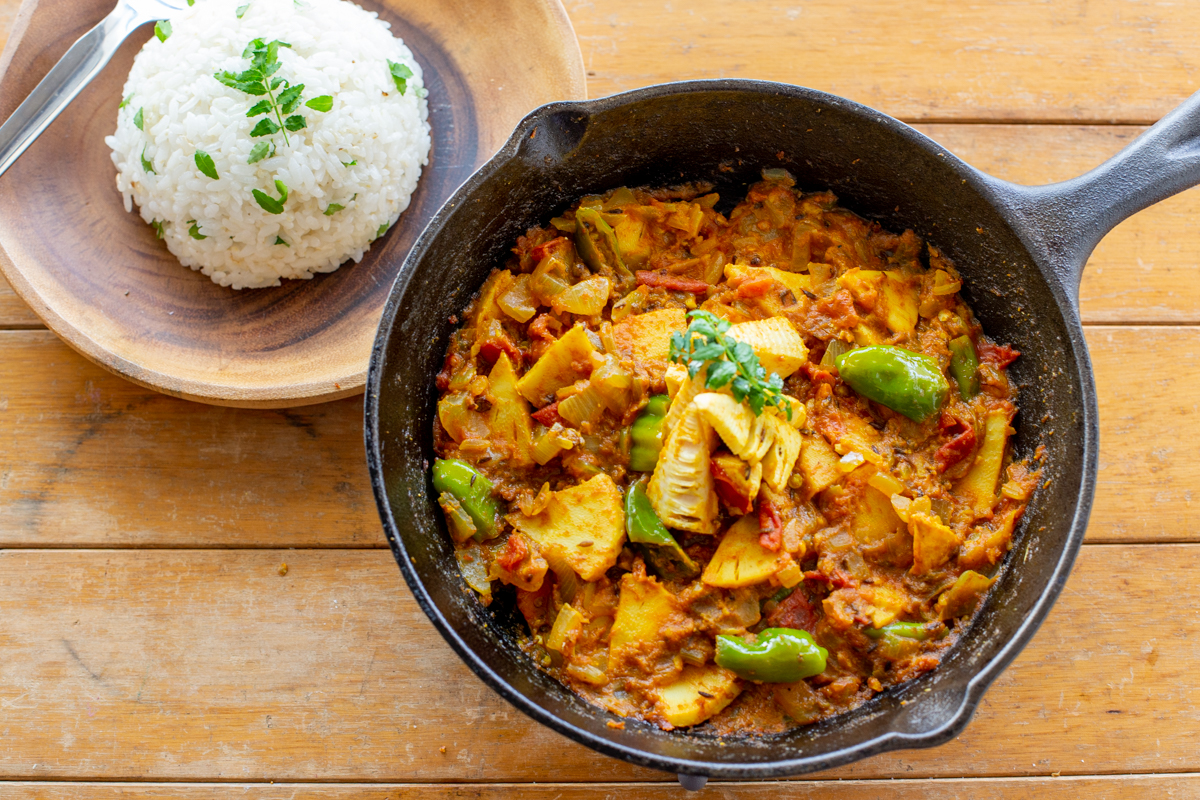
column 1002, row 196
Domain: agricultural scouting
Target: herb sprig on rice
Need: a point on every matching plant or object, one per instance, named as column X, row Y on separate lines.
column 278, row 159
column 258, row 81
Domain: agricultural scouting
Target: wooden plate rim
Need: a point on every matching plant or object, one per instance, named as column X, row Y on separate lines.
column 213, row 392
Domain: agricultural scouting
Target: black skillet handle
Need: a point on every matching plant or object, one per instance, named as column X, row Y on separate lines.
column 1065, row 221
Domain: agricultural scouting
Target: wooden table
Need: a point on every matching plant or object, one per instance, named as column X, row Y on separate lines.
column 151, row 645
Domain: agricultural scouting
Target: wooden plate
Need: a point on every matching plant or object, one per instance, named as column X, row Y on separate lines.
column 99, row 279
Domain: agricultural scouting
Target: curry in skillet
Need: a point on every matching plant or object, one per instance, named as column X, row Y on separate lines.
column 742, row 471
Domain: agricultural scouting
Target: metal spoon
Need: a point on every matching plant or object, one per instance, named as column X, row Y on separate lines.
column 75, row 70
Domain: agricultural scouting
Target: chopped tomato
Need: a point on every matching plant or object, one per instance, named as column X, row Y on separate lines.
column 728, row 491
column 756, row 287
column 543, row 331
column 548, row 415
column 838, row 579
column 453, row 361
column 839, row 307
column 817, row 373
column 961, row 444
column 998, row 355
column 795, row 611
column 670, row 282
column 770, row 527
column 514, row 550
column 492, row 348
column 546, row 248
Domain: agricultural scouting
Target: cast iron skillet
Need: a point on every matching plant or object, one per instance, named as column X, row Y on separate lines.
column 1020, row 249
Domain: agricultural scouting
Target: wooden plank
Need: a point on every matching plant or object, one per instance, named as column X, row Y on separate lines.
column 209, row 665
column 106, row 463
column 1105, row 60
column 1149, row 434
column 1047, row 788
column 13, row 311
column 1148, row 268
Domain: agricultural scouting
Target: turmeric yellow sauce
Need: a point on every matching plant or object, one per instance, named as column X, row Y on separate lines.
column 722, row 529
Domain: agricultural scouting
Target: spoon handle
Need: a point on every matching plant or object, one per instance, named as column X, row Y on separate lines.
column 66, row 79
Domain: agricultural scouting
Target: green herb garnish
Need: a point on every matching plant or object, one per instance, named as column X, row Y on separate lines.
column 147, row 165
column 138, row 119
column 400, row 75
column 241, row 10
column 322, row 103
column 333, row 209
column 162, row 29
column 261, row 151
column 279, row 240
column 205, row 164
column 349, row 163
column 730, row 363
column 158, row 228
column 125, row 102
column 270, row 204
column 257, row 82
column 382, row 229
column 194, row 231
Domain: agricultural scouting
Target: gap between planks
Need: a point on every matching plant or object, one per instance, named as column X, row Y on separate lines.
column 1041, row 786
column 1144, row 272
column 104, row 463
column 200, row 666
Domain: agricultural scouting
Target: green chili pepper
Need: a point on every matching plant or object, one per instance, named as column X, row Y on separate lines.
column 643, row 527
column 647, row 434
column 778, row 655
column 901, row 640
column 589, row 219
column 964, row 366
column 919, row 631
column 904, row 381
column 472, row 491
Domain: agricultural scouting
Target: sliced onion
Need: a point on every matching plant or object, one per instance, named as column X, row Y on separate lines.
column 459, row 420
column 550, row 277
column 614, row 385
column 473, row 566
column 943, row 284
column 586, row 298
column 836, row 348
column 551, row 442
column 518, row 302
column 568, row 581
column 568, row 622
column 588, row 673
column 586, row 406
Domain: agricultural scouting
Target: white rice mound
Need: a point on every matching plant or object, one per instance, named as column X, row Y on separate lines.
column 365, row 154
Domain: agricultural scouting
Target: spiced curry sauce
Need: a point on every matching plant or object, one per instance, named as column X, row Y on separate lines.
column 871, row 533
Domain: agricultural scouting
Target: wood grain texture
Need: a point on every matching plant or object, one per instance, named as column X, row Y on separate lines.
column 209, row 665
column 14, row 312
column 1103, row 60
column 1059, row 788
column 105, row 463
column 1148, row 268
column 98, row 277
column 1146, row 271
